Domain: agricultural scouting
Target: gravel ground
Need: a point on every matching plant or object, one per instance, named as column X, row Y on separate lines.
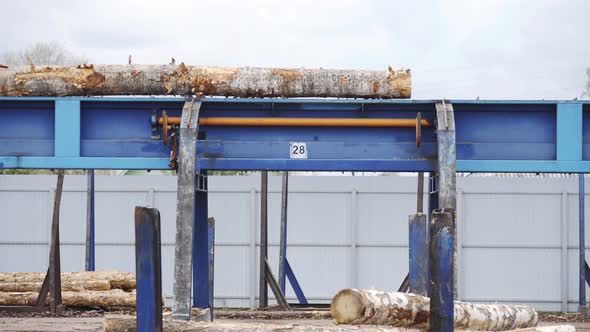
column 92, row 320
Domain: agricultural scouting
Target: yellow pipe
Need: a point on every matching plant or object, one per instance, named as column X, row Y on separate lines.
column 301, row 122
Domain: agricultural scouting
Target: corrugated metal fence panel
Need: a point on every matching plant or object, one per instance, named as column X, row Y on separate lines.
column 343, row 232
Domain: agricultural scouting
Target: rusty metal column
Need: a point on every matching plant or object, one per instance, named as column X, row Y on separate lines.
column 447, row 168
column 185, row 209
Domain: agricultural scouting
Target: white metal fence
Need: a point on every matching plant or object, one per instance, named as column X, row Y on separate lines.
column 518, row 236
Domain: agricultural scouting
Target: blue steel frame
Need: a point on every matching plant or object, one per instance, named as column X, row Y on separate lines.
column 115, row 133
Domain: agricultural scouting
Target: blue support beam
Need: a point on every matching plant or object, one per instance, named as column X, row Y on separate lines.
column 418, row 254
column 148, row 269
column 569, row 132
column 67, row 128
column 90, row 229
column 582, row 305
column 294, row 283
column 201, row 250
column 441, row 262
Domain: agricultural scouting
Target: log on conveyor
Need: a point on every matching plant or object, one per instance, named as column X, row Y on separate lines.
column 120, row 280
column 66, row 285
column 101, row 299
column 96, row 80
column 354, row 306
column 126, row 323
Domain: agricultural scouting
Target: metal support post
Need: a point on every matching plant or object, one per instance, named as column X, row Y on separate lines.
column 283, row 240
column 185, row 209
column 447, row 168
column 418, row 252
column 263, row 287
column 90, row 244
column 274, row 286
column 295, row 284
column 432, row 191
column 442, row 228
column 211, row 247
column 148, row 269
column 202, row 238
column 52, row 282
column 420, row 193
column 582, row 306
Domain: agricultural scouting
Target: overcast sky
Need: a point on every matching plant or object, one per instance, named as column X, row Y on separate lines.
column 534, row 49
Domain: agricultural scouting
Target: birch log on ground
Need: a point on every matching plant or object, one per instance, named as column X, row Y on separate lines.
column 94, row 80
column 120, row 280
column 354, row 306
column 66, row 285
column 102, row 299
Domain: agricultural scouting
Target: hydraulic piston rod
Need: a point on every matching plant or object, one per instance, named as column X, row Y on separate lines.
column 301, row 122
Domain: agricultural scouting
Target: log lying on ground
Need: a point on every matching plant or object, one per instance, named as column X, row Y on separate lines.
column 66, row 285
column 101, row 299
column 88, row 80
column 353, row 306
column 126, row 323
column 120, row 280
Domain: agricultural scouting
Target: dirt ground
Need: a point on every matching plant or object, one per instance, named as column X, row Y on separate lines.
column 86, row 321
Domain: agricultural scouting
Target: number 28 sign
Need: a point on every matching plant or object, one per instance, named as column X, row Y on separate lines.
column 298, row 150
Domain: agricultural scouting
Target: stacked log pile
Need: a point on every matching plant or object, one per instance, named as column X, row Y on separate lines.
column 103, row 289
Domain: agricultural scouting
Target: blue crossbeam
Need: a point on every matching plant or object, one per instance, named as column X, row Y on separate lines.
column 115, row 133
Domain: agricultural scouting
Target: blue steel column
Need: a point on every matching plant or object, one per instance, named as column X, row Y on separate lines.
column 582, row 245
column 569, row 124
column 90, row 238
column 201, row 247
column 148, row 269
column 442, row 230
column 418, row 254
column 283, row 240
column 211, row 260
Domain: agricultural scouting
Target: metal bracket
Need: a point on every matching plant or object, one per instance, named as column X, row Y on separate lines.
column 201, row 183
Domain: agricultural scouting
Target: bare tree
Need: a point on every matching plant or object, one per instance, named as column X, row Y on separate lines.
column 43, row 54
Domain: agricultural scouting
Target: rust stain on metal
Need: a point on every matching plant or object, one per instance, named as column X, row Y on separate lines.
column 164, row 78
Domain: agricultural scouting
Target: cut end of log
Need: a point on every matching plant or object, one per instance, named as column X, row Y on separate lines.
column 347, row 306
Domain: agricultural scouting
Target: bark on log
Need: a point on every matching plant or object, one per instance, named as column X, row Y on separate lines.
column 353, row 306
column 66, row 285
column 89, row 80
column 117, row 280
column 101, row 299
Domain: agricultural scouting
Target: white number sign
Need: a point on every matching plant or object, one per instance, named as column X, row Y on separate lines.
column 298, row 150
